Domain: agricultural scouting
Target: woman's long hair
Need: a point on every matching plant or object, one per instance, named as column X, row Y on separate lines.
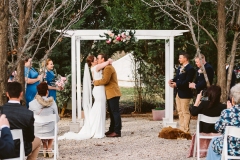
column 214, row 94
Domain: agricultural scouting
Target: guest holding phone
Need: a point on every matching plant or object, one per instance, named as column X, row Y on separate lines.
column 211, row 106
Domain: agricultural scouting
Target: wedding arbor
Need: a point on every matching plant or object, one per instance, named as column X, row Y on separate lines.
column 78, row 35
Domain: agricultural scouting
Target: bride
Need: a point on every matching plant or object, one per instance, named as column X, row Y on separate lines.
column 95, row 115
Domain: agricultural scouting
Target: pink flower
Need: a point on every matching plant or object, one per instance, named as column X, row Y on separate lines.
column 14, row 73
column 108, row 41
column 123, row 35
column 110, row 34
column 63, row 78
column 118, row 38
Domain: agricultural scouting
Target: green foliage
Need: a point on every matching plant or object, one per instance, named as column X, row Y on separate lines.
column 159, row 108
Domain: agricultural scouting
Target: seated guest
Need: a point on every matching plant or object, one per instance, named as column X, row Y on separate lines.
column 20, row 117
column 43, row 105
column 6, row 139
column 210, row 107
column 228, row 117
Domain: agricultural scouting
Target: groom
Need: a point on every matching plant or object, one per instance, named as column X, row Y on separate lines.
column 113, row 95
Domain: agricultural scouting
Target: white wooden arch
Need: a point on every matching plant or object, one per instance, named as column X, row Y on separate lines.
column 78, row 35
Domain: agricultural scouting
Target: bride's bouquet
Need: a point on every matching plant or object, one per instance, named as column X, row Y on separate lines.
column 60, row 81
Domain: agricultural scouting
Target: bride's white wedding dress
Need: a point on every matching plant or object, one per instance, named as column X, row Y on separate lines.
column 95, row 115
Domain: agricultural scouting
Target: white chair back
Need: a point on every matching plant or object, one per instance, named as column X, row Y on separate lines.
column 206, row 119
column 232, row 131
column 17, row 134
column 43, row 120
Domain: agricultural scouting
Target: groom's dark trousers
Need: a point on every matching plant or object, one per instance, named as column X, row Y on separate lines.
column 113, row 108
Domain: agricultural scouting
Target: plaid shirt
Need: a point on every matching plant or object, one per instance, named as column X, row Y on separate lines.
column 228, row 117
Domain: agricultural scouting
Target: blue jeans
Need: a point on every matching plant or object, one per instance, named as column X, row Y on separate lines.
column 211, row 155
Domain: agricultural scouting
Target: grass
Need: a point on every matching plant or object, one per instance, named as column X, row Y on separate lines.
column 127, row 98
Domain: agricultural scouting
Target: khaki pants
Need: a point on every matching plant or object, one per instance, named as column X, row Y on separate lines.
column 183, row 112
column 35, row 149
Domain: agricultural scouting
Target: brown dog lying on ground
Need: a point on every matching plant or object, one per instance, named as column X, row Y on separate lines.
column 174, row 133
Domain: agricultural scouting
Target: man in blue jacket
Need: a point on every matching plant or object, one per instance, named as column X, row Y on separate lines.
column 6, row 139
column 200, row 82
column 184, row 76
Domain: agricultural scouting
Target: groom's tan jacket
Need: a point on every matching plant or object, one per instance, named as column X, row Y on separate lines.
column 110, row 81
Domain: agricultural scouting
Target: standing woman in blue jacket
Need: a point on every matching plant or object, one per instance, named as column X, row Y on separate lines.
column 32, row 78
column 50, row 78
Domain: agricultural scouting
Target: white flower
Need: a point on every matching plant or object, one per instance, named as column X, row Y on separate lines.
column 182, row 69
column 200, row 71
column 128, row 38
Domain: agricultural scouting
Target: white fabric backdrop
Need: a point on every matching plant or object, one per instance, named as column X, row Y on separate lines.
column 125, row 67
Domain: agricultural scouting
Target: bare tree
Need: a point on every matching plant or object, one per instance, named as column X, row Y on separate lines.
column 221, row 47
column 187, row 15
column 234, row 23
column 30, row 21
column 3, row 48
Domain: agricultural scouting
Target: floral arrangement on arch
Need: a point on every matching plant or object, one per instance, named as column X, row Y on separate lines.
column 119, row 40
column 120, row 36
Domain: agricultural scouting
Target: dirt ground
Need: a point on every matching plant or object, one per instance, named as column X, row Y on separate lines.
column 139, row 141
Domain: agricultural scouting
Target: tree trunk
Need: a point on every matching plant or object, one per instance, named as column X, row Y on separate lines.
column 233, row 53
column 24, row 15
column 4, row 9
column 221, row 46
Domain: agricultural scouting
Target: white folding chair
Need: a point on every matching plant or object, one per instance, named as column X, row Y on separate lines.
column 17, row 134
column 206, row 119
column 44, row 120
column 232, row 131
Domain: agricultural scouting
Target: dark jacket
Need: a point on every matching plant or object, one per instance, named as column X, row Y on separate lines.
column 200, row 80
column 182, row 81
column 213, row 111
column 20, row 117
column 6, row 143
